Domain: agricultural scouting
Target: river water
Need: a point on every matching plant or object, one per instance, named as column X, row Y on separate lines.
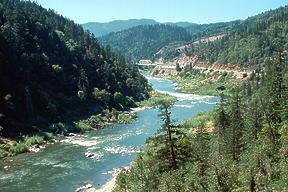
column 63, row 167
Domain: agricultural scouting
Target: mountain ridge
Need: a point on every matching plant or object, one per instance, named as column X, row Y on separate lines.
column 103, row 28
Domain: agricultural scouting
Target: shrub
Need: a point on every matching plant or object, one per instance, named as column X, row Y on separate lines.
column 35, row 139
column 84, row 127
column 101, row 95
column 58, row 128
column 3, row 153
column 18, row 147
column 95, row 118
column 47, row 135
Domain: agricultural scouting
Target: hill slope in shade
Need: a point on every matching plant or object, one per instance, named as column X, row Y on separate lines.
column 51, row 70
column 144, row 41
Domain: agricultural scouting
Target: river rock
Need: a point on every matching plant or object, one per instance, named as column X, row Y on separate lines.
column 6, row 167
column 34, row 149
column 90, row 155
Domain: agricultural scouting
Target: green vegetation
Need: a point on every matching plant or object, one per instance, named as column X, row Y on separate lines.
column 154, row 98
column 35, row 139
column 202, row 83
column 145, row 41
column 18, row 147
column 200, row 121
column 250, row 42
column 52, row 71
column 107, row 118
column 239, row 146
column 3, row 153
column 205, row 30
column 21, row 146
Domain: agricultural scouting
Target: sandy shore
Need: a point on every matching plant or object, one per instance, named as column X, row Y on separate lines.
column 109, row 186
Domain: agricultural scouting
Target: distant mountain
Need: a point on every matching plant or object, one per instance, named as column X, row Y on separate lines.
column 183, row 24
column 144, row 41
column 100, row 29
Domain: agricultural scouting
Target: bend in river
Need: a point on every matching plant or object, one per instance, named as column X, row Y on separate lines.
column 64, row 166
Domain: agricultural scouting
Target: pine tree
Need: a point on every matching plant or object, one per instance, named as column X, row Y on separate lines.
column 167, row 127
column 236, row 127
column 221, row 121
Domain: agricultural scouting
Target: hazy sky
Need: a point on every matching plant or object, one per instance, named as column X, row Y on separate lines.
column 196, row 11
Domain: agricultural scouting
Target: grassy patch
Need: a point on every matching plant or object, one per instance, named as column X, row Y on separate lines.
column 203, row 83
column 199, row 121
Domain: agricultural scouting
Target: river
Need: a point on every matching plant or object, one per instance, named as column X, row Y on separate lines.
column 63, row 166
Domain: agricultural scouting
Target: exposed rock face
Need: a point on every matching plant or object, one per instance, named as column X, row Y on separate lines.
column 187, row 63
column 164, row 70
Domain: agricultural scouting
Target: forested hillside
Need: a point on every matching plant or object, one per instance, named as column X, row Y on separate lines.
column 200, row 31
column 242, row 145
column 100, row 29
column 251, row 42
column 144, row 41
column 51, row 70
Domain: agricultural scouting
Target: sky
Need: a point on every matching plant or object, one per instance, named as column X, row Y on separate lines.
column 195, row 11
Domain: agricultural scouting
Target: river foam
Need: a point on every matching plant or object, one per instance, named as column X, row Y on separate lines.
column 121, row 150
column 80, row 140
column 186, row 96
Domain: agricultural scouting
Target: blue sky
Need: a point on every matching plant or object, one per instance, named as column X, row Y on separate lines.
column 196, row 11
